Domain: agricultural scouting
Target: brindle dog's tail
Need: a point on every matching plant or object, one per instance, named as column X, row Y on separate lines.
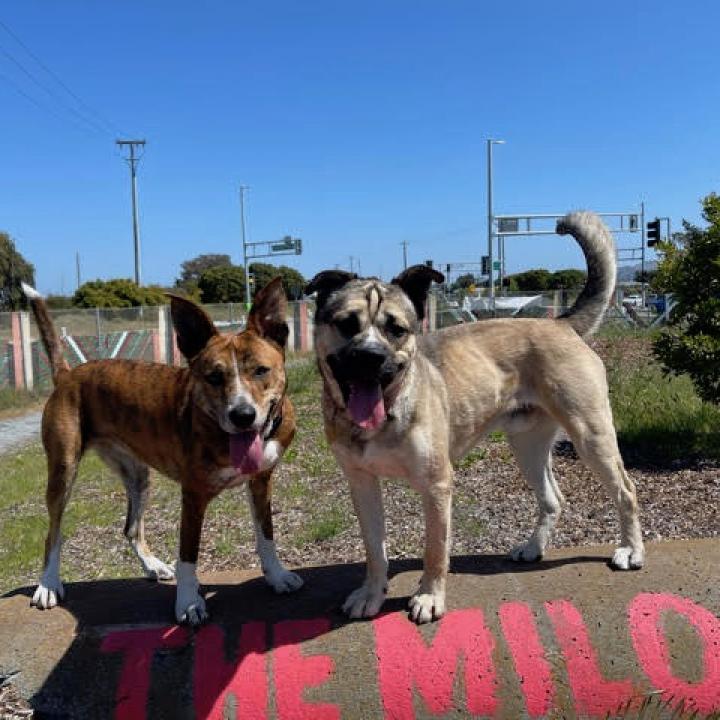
column 597, row 244
column 47, row 332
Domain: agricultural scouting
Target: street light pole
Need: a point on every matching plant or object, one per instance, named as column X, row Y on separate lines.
column 491, row 280
column 243, row 188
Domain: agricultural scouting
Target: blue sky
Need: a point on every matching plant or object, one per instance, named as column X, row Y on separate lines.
column 357, row 126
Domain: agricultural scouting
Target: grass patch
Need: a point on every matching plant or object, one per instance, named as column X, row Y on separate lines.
column 660, row 418
column 329, row 523
column 15, row 402
column 303, row 378
column 472, row 458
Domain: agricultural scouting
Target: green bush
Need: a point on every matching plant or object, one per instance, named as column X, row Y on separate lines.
column 119, row 293
column 690, row 270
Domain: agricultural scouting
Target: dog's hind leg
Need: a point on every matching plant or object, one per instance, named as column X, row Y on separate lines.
column 63, row 456
column 135, row 477
column 595, row 441
column 533, row 451
column 280, row 579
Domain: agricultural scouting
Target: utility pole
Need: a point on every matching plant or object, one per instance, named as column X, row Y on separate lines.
column 404, row 244
column 491, row 280
column 77, row 268
column 132, row 160
column 248, row 299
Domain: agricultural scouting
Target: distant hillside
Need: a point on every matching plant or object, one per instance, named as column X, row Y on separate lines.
column 626, row 273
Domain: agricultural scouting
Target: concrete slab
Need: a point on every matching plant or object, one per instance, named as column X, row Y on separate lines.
column 565, row 637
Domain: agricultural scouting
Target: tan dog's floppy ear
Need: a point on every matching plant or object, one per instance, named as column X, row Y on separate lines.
column 326, row 282
column 268, row 314
column 193, row 326
column 415, row 283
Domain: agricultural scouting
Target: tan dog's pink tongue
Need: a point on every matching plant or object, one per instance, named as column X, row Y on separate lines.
column 246, row 452
column 366, row 406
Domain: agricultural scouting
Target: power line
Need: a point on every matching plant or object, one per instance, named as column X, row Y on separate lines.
column 110, row 127
column 38, row 104
column 88, row 121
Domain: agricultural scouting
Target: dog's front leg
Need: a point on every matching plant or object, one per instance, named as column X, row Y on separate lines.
column 367, row 600
column 189, row 604
column 280, row 579
column 428, row 603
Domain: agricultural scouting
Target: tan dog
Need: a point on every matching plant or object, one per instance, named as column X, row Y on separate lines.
column 223, row 421
column 402, row 405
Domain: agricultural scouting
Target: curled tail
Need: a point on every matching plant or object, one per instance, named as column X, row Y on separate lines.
column 597, row 244
column 47, row 332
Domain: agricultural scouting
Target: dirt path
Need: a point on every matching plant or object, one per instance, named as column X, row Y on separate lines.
column 19, row 431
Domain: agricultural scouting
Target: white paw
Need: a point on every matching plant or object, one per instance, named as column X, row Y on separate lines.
column 529, row 551
column 284, row 581
column 47, row 594
column 190, row 611
column 365, row 602
column 627, row 558
column 157, row 570
column 427, row 606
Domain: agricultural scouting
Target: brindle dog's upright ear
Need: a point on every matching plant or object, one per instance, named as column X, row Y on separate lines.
column 415, row 283
column 192, row 325
column 327, row 282
column 268, row 314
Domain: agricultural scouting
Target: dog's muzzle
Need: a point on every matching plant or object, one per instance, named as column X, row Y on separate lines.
column 362, row 372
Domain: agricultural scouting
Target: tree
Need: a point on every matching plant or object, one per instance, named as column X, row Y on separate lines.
column 119, row 293
column 293, row 281
column 464, row 282
column 537, row 279
column 222, row 284
column 570, row 279
column 14, row 269
column 191, row 270
column 690, row 269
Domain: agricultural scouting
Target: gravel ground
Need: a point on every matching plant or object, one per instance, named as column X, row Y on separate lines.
column 493, row 509
column 19, row 431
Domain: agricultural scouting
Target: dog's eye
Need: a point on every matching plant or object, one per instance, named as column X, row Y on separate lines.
column 349, row 325
column 215, row 377
column 261, row 371
column 395, row 329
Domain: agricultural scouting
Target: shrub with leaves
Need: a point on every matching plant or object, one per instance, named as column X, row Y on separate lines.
column 690, row 270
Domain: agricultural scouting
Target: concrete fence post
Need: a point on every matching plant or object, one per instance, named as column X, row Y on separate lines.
column 291, row 327
column 432, row 312
column 159, row 336
column 18, row 378
column 303, row 328
column 26, row 350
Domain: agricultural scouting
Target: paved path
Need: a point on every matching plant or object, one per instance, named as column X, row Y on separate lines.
column 19, row 431
column 564, row 637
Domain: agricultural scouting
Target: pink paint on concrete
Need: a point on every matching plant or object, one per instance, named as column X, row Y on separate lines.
column 138, row 647
column 645, row 615
column 533, row 670
column 245, row 676
column 594, row 695
column 294, row 672
column 17, row 353
column 405, row 662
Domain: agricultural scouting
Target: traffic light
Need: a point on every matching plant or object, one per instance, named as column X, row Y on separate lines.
column 653, row 232
column 298, row 246
column 485, row 269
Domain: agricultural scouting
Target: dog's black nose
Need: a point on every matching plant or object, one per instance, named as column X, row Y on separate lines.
column 242, row 415
column 370, row 357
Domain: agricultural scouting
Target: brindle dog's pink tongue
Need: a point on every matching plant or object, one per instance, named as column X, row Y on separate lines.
column 366, row 406
column 246, row 452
